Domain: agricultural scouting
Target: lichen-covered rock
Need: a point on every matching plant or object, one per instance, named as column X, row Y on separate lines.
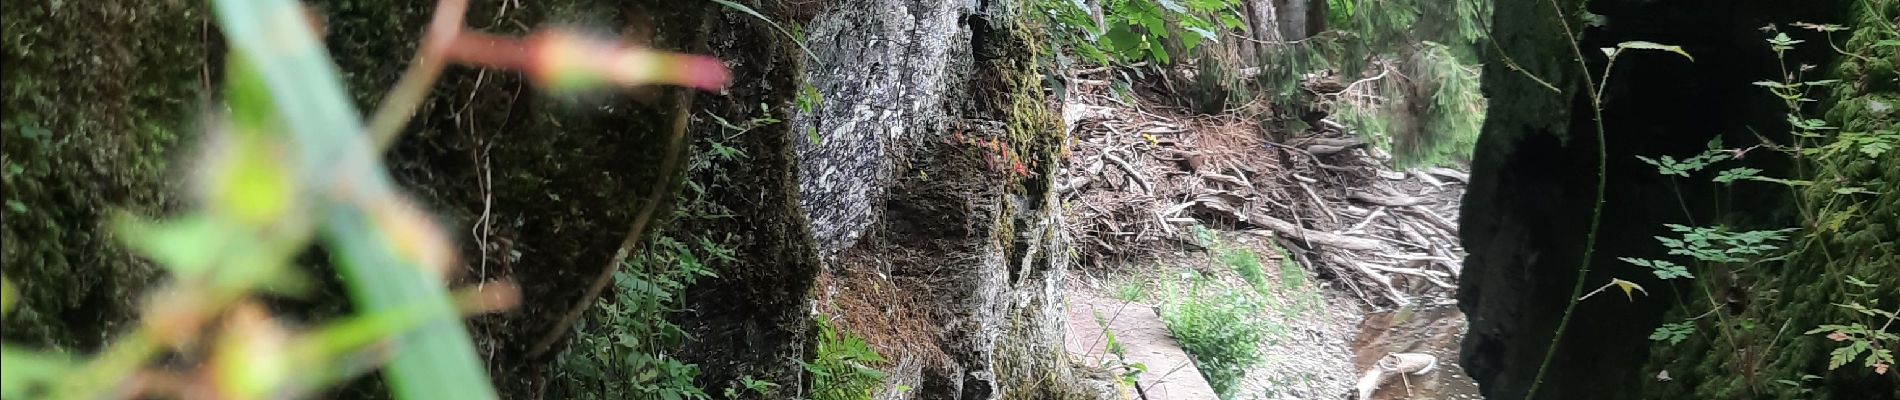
column 932, row 147
column 884, row 72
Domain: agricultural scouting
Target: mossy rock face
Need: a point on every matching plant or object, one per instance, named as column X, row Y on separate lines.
column 1534, row 186
column 1765, row 351
column 98, row 99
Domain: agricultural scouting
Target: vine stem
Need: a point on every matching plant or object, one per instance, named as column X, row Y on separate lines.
column 635, row 235
column 1596, row 210
column 386, row 125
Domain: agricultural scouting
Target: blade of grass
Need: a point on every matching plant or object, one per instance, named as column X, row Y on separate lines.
column 755, row 14
column 434, row 361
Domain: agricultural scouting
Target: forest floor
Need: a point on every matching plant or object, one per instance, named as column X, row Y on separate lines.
column 1342, row 267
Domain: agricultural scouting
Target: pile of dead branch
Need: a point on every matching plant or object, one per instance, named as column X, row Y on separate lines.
column 1139, row 176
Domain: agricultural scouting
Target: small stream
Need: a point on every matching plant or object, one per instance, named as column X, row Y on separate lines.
column 1435, row 330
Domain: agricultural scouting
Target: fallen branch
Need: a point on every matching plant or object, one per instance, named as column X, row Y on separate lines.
column 1400, row 242
column 1225, row 179
column 1388, row 201
column 1319, row 202
column 1391, row 291
column 1316, row 161
column 1335, row 125
column 1355, row 84
column 1301, row 258
column 1414, row 257
column 1430, row 276
column 1130, row 170
column 1369, row 218
column 1408, row 228
column 1435, row 220
column 1428, row 179
column 1453, row 174
column 1322, row 238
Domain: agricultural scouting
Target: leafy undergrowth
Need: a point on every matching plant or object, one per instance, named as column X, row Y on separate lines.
column 1219, row 327
column 844, row 366
column 1235, row 318
column 1807, row 311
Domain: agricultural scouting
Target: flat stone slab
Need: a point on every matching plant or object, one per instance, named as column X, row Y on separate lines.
column 1144, row 339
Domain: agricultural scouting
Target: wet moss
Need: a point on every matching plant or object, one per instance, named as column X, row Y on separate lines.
column 1030, row 361
column 98, row 99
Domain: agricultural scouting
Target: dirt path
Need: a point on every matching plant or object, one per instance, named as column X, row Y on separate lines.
column 1340, row 241
column 1318, row 342
column 1143, row 338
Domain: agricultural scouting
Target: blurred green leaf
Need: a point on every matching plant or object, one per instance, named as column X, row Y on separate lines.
column 22, row 370
column 186, row 246
column 8, row 297
column 252, row 111
column 1642, row 45
column 255, row 187
column 436, row 361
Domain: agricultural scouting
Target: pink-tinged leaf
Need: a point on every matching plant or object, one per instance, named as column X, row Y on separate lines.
column 639, row 67
column 561, row 60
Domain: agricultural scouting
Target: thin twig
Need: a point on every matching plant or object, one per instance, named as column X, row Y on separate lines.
column 414, row 85
column 1369, row 218
column 1381, row 75
column 1125, row 167
column 1596, row 212
column 633, row 241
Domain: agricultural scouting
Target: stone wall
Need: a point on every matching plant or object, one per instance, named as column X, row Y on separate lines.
column 910, row 174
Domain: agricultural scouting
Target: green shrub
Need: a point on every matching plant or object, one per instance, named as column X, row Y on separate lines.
column 620, row 349
column 1218, row 329
column 1133, row 31
column 843, row 368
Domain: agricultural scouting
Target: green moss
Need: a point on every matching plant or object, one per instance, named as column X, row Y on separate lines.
column 98, row 97
column 1028, row 365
